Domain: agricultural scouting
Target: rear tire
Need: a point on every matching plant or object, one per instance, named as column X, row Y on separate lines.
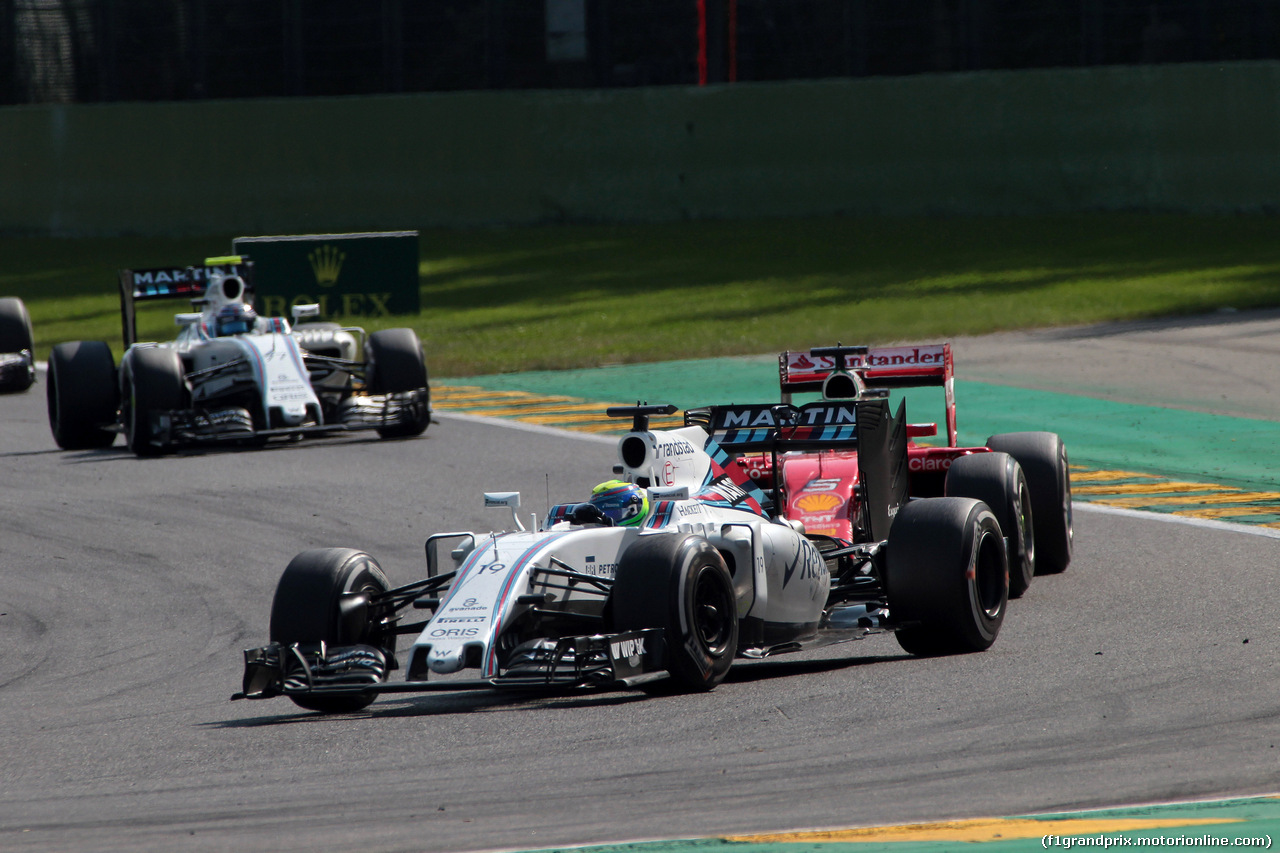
column 82, row 396
column 306, row 610
column 397, row 366
column 154, row 381
column 16, row 336
column 1043, row 458
column 997, row 480
column 948, row 573
column 679, row 583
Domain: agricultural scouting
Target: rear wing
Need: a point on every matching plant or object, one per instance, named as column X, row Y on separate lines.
column 868, row 426
column 761, row 427
column 148, row 285
column 920, row 366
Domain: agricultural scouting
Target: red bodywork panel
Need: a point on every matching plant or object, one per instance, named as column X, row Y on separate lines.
column 820, row 489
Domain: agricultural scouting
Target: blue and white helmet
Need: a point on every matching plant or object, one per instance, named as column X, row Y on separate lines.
column 234, row 319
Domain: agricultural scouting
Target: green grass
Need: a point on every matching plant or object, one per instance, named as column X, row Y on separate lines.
column 580, row 296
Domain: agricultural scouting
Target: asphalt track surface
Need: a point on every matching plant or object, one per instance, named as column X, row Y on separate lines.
column 1144, row 673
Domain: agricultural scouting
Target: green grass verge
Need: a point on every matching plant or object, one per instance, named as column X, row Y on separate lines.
column 544, row 298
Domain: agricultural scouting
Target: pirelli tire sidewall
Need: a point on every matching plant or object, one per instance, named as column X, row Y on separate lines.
column 1043, row 457
column 997, row 480
column 947, row 576
column 396, row 365
column 152, row 380
column 679, row 582
column 305, row 607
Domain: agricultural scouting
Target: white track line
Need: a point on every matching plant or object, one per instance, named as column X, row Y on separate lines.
column 1212, row 524
column 524, row 427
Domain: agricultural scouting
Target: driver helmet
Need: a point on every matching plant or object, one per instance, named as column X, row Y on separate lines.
column 234, row 319
column 625, row 503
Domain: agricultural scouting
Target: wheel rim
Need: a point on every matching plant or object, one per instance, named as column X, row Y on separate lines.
column 51, row 397
column 712, row 613
column 131, row 416
column 989, row 582
column 1066, row 497
column 1024, row 524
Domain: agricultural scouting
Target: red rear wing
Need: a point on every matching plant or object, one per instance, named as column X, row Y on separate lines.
column 882, row 367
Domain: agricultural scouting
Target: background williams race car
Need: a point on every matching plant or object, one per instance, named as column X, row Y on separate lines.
column 17, row 346
column 230, row 375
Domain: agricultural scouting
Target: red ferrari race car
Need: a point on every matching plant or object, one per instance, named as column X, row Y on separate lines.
column 1022, row 476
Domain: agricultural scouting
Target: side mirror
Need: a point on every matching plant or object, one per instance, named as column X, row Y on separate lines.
column 507, row 499
column 301, row 311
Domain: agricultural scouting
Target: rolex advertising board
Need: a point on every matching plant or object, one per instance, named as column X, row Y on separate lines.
column 350, row 276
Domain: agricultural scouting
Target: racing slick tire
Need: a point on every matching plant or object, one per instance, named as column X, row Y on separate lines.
column 680, row 583
column 16, row 336
column 153, row 381
column 1043, row 458
column 997, row 480
column 306, row 609
column 397, row 366
column 82, row 395
column 946, row 576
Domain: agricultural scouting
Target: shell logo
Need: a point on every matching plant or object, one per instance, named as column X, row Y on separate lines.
column 818, row 503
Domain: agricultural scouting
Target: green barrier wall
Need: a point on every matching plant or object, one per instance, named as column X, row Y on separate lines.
column 1185, row 137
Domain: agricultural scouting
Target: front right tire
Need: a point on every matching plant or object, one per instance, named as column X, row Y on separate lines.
column 397, row 366
column 307, row 609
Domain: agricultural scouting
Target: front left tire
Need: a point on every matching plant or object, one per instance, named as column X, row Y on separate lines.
column 1043, row 458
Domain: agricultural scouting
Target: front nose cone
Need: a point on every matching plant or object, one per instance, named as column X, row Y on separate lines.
column 445, row 661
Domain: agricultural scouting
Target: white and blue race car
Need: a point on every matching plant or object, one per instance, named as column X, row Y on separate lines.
column 660, row 580
column 17, row 347
column 230, row 375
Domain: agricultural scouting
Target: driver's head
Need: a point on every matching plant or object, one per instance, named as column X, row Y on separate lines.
column 625, row 503
column 235, row 319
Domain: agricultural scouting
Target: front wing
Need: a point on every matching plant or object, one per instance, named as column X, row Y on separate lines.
column 16, row 369
column 600, row 661
column 212, row 426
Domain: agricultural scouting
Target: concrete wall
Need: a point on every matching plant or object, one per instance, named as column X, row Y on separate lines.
column 1185, row 137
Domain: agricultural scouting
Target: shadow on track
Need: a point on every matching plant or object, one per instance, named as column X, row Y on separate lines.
column 501, row 700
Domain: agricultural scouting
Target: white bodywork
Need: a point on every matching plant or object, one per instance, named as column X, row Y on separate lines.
column 276, row 363
column 779, row 576
column 271, row 352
